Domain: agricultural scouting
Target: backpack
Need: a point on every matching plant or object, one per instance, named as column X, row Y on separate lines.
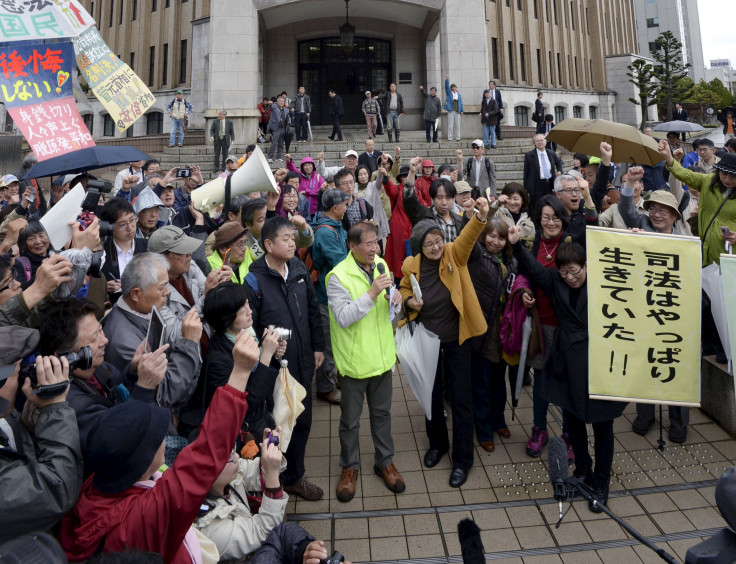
column 486, row 161
column 305, row 255
column 26, row 264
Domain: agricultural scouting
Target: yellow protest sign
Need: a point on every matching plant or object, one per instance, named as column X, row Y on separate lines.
column 644, row 317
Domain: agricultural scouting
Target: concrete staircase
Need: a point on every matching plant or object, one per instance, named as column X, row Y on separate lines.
column 508, row 156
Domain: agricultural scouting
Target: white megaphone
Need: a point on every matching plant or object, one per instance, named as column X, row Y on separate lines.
column 253, row 176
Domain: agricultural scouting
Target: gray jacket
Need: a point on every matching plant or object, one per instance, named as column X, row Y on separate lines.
column 432, row 106
column 126, row 330
column 303, row 105
column 40, row 479
column 177, row 307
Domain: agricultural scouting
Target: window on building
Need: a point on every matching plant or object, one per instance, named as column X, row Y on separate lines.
column 546, row 12
column 154, row 5
column 154, row 123
column 572, row 15
column 587, row 22
column 132, row 60
column 590, row 68
column 183, row 62
column 184, row 1
column 508, row 3
column 135, row 9
column 112, row 10
column 120, row 17
column 577, row 72
column 494, row 56
column 511, row 61
column 92, row 9
column 559, row 70
column 151, row 65
column 518, row 5
column 522, row 62
column 577, row 112
column 108, row 126
column 593, row 112
column 652, row 22
column 539, row 66
column 165, row 65
column 551, row 69
column 89, row 121
column 554, row 10
column 167, row 4
column 536, row 9
column 569, row 70
column 129, row 131
column 559, row 113
column 653, row 47
column 521, row 116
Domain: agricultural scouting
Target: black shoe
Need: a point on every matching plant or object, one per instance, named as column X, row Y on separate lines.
column 499, row 138
column 601, row 495
column 331, row 138
column 433, row 456
column 678, row 435
column 721, row 358
column 458, row 477
column 641, row 426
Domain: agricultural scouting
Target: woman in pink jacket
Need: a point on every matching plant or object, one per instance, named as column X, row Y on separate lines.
column 310, row 182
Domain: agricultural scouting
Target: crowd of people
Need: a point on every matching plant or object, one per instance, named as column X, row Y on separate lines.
column 116, row 444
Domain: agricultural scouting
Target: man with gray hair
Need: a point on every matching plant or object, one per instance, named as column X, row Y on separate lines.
column 570, row 189
column 541, row 166
column 222, row 133
column 145, row 284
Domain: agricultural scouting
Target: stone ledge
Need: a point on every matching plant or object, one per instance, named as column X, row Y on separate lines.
column 717, row 394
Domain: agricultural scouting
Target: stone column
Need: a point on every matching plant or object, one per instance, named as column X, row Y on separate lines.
column 464, row 55
column 233, row 63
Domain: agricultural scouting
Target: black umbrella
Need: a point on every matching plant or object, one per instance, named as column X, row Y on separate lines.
column 86, row 159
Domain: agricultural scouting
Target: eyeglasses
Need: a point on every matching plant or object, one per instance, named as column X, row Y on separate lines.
column 291, row 196
column 569, row 191
column 124, row 224
column 7, row 283
column 349, row 182
column 570, row 273
column 436, row 244
column 659, row 210
column 238, row 244
column 550, row 219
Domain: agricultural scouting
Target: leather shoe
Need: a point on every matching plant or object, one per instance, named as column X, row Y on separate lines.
column 391, row 478
column 458, row 477
column 505, row 433
column 346, row 484
column 433, row 457
column 487, row 446
column 333, row 397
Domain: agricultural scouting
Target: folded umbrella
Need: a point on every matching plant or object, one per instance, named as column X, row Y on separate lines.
column 288, row 395
column 712, row 280
column 418, row 350
column 527, row 333
column 585, row 136
column 99, row 156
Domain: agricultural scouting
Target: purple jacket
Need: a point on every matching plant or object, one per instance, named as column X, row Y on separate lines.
column 309, row 185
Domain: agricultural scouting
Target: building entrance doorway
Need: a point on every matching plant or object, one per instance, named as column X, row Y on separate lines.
column 324, row 64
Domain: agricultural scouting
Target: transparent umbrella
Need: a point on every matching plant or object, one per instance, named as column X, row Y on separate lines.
column 418, row 350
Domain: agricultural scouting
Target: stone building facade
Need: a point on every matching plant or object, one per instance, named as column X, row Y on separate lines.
column 228, row 54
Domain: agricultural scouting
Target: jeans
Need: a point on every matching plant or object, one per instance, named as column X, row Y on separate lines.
column 379, row 391
column 177, row 126
column 498, row 125
column 429, row 127
column 603, row 447
column 489, row 131
column 455, row 359
column 489, row 396
column 392, row 122
column 453, row 125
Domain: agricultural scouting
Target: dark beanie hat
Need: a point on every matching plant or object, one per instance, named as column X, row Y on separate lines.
column 123, row 443
column 420, row 231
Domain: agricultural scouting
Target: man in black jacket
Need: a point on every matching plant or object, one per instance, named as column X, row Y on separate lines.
column 336, row 111
column 680, row 114
column 541, row 167
column 370, row 157
column 281, row 293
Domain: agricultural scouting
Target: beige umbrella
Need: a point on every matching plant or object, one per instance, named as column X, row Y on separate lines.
column 585, row 135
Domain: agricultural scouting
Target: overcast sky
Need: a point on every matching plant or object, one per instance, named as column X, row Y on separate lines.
column 719, row 40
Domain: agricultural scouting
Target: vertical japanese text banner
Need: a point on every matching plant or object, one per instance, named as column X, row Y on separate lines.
column 116, row 86
column 728, row 269
column 644, row 317
column 37, row 90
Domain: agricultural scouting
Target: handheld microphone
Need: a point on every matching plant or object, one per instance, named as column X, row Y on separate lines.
column 558, row 469
column 471, row 544
column 381, row 268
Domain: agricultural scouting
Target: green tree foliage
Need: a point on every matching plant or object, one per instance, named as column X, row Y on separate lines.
column 641, row 75
column 670, row 69
column 704, row 96
column 724, row 96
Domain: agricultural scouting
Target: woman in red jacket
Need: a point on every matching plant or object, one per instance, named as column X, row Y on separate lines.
column 126, row 502
column 399, row 224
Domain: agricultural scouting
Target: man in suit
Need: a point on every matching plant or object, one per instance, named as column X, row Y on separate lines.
column 538, row 115
column 222, row 133
column 336, row 111
column 545, row 127
column 680, row 114
column 496, row 95
column 541, row 167
column 370, row 157
column 277, row 127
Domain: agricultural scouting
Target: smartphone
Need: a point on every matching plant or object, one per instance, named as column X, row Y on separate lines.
column 183, row 172
column 156, row 328
column 226, row 260
column 725, row 230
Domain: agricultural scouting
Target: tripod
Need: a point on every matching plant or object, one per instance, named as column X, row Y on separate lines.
column 576, row 485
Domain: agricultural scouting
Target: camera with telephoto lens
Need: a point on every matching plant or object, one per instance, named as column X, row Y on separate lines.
column 81, row 359
column 283, row 334
column 95, row 188
column 336, row 558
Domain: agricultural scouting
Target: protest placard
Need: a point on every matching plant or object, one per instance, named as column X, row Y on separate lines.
column 22, row 20
column 728, row 270
column 644, row 317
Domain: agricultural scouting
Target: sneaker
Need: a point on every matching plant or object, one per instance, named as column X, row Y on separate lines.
column 601, row 495
column 270, row 160
column 345, row 490
column 391, row 478
column 570, row 453
column 534, row 446
column 306, row 489
column 333, row 397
